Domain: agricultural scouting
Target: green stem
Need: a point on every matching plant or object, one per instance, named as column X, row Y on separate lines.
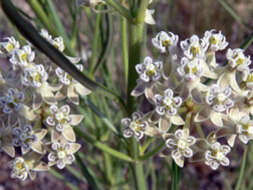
column 135, row 55
column 175, row 176
column 95, row 44
column 76, row 173
column 86, row 173
column 242, row 170
column 124, row 47
column 152, row 152
column 140, row 177
column 247, row 42
column 107, row 46
column 135, row 31
column 60, row 28
column 119, row 8
column 103, row 147
column 138, row 172
column 62, row 178
column 43, row 17
column 108, row 169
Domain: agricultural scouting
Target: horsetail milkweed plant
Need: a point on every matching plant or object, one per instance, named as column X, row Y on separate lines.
column 189, row 91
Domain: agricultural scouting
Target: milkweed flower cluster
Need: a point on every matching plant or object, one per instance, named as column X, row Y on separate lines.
column 36, row 124
column 189, row 88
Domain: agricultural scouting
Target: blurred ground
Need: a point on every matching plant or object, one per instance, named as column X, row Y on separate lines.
column 183, row 17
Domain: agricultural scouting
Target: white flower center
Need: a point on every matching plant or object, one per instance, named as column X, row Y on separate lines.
column 168, row 101
column 60, row 116
column 182, row 144
column 9, row 47
column 221, row 97
column 61, row 154
column 219, row 155
column 150, row 69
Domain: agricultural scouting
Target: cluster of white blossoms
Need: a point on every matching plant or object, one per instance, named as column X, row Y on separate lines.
column 197, row 101
column 36, row 124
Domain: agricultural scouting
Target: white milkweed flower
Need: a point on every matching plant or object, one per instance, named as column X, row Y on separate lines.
column 237, row 59
column 217, row 41
column 20, row 169
column 194, row 47
column 63, row 121
column 180, row 145
column 10, row 46
column 23, row 56
column 57, row 42
column 66, row 78
column 34, row 76
column 12, row 101
column 216, row 155
column 74, row 88
column 190, row 69
column 24, row 137
column 219, row 99
column 62, row 154
column 165, row 42
column 245, row 129
column 135, row 126
column 27, row 138
column 25, row 166
column 167, row 104
column 149, row 70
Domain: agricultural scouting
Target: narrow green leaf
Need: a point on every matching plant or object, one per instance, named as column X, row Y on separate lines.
column 40, row 13
column 108, row 44
column 247, row 42
column 76, row 173
column 232, row 12
column 61, row 177
column 95, row 110
column 95, row 43
column 91, row 180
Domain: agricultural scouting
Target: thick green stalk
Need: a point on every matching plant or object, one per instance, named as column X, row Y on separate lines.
column 135, row 38
column 135, row 55
column 137, row 168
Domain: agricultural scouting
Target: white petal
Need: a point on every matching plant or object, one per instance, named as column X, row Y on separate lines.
column 216, row 118
column 177, row 120
column 75, row 119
